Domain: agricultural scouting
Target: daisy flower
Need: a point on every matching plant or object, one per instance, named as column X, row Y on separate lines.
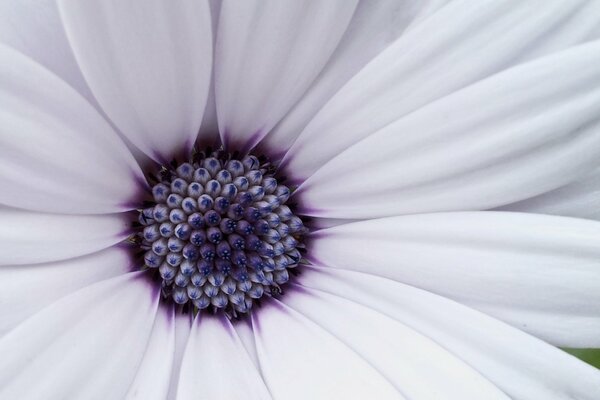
column 287, row 199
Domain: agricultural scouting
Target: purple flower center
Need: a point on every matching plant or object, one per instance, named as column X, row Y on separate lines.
column 219, row 233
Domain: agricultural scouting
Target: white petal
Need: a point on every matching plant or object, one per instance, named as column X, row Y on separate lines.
column 243, row 328
column 373, row 27
column 417, row 366
column 578, row 199
column 323, row 223
column 209, row 129
column 504, row 139
column 523, row 367
column 183, row 327
column 462, row 43
column 300, row 360
column 216, row 365
column 35, row 29
column 29, row 237
column 149, row 66
column 57, row 153
column 87, row 345
column 425, row 9
column 154, row 373
column 268, row 53
column 540, row 273
column 27, row 289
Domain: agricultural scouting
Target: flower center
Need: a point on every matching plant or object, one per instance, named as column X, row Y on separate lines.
column 219, row 233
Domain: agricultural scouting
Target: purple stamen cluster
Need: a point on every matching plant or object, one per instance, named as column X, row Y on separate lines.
column 219, row 233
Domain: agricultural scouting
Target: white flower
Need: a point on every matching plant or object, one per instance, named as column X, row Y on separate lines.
column 398, row 120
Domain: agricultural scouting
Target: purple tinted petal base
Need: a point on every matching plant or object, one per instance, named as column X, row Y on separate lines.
column 242, row 146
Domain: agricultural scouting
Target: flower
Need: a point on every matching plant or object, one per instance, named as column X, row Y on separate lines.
column 396, row 124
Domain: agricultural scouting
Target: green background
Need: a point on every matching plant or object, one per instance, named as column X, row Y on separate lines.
column 590, row 356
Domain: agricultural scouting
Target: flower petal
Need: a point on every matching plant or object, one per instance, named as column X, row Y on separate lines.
column 373, row 27
column 524, row 137
column 323, row 223
column 27, row 289
column 208, row 134
column 34, row 28
column 268, row 53
column 417, row 366
column 216, row 365
column 28, row 237
column 57, row 154
column 522, row 366
column 462, row 43
column 87, row 345
column 300, row 360
column 579, row 199
column 183, row 327
column 149, row 66
column 243, row 328
column 154, row 373
column 537, row 272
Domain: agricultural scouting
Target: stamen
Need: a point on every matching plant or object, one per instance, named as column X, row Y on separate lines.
column 220, row 234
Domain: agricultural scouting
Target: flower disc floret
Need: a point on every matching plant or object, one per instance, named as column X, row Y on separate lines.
column 219, row 233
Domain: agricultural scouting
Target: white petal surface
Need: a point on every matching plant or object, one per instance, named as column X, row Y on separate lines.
column 216, row 365
column 268, row 53
column 522, row 366
column 28, row 237
column 35, row 29
column 243, row 328
column 579, row 199
column 27, row 289
column 183, row 327
column 152, row 379
column 209, row 129
column 373, row 27
column 417, row 366
column 524, row 137
column 540, row 273
column 425, row 9
column 86, row 346
column 148, row 66
column 322, row 223
column 300, row 360
column 57, row 153
column 464, row 42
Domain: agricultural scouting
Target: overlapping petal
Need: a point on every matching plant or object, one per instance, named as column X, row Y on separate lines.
column 243, row 328
column 504, row 139
column 183, row 327
column 149, row 67
column 209, row 129
column 522, row 366
column 27, row 289
column 216, row 365
column 417, row 366
column 268, row 53
column 461, row 44
column 373, row 27
column 72, row 350
column 57, row 154
column 579, row 199
column 153, row 375
column 34, row 28
column 29, row 237
column 540, row 273
column 300, row 360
